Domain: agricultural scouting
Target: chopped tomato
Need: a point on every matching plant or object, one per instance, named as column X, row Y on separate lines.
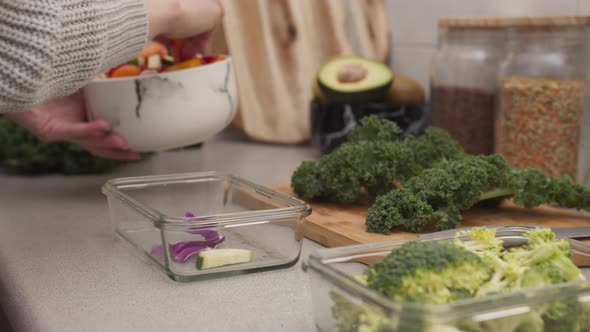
column 212, row 58
column 209, row 59
column 176, row 49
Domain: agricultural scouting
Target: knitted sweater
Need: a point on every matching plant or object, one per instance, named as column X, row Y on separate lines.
column 51, row 48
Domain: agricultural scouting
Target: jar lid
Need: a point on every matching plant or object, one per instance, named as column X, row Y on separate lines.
column 547, row 21
column 501, row 22
column 472, row 22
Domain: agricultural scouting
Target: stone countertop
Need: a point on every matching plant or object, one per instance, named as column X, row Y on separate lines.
column 62, row 271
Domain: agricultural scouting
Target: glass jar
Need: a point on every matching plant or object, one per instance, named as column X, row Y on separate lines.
column 463, row 82
column 584, row 149
column 542, row 88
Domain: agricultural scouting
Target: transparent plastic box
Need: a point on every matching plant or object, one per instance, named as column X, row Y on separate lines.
column 167, row 218
column 340, row 303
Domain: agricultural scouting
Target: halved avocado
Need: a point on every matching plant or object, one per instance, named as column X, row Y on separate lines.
column 353, row 79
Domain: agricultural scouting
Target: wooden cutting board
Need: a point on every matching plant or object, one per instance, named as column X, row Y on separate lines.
column 334, row 225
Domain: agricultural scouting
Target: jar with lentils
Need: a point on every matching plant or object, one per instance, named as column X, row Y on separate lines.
column 541, row 92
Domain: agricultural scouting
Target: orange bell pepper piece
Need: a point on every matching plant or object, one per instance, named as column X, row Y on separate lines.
column 125, row 71
column 195, row 62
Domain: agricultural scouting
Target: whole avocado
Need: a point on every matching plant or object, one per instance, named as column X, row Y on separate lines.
column 405, row 91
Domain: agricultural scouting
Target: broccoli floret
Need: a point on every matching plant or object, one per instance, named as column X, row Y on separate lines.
column 547, row 258
column 504, row 324
column 373, row 162
column 585, row 321
column 429, row 272
column 353, row 317
column 563, row 316
column 456, row 185
column 482, row 241
column 505, row 278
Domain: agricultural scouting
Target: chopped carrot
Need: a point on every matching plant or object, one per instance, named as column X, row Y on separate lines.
column 154, row 49
column 125, row 71
column 112, row 70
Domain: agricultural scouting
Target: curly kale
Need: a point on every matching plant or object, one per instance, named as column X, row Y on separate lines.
column 450, row 186
column 372, row 162
column 22, row 152
column 409, row 213
column 433, row 146
column 373, row 128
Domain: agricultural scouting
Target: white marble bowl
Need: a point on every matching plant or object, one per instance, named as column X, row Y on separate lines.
column 166, row 110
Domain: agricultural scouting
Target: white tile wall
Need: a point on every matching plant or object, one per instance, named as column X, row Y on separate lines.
column 584, row 7
column 413, row 61
column 414, row 24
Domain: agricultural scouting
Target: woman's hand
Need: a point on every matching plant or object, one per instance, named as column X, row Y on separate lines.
column 194, row 20
column 64, row 119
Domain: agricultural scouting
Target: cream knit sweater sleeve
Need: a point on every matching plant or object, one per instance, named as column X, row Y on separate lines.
column 51, row 48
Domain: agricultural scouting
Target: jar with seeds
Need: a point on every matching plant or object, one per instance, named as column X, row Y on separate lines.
column 463, row 81
column 541, row 89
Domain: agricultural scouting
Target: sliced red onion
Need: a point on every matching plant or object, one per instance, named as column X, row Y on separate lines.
column 183, row 254
column 212, row 237
column 182, row 250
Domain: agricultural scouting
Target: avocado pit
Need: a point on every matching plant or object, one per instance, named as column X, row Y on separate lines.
column 352, row 72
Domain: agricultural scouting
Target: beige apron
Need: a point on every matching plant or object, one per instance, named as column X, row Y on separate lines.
column 277, row 46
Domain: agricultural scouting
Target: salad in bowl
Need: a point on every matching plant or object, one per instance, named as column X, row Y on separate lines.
column 161, row 100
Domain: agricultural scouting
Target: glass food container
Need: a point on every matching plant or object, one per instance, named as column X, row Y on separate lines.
column 463, row 82
column 341, row 303
column 542, row 87
column 179, row 222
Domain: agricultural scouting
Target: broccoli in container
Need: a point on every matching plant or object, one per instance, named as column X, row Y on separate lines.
column 475, row 265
